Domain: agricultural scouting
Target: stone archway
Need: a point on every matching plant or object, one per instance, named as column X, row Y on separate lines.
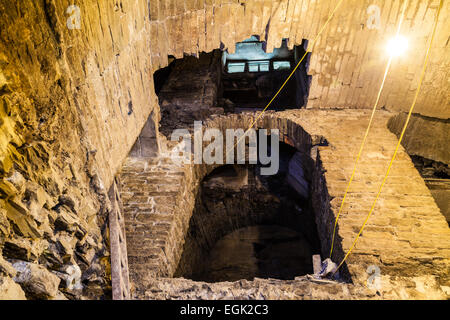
column 173, row 201
column 159, row 198
column 76, row 100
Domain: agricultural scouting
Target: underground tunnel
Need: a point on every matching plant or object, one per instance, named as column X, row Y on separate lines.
column 94, row 206
column 235, row 206
column 236, row 224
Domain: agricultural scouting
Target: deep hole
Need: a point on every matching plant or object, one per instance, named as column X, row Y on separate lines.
column 246, row 225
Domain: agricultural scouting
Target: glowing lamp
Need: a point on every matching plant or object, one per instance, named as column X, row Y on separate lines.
column 397, row 46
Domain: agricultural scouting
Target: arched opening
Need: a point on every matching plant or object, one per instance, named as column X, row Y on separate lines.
column 248, row 225
column 192, row 223
column 251, row 76
column 216, row 83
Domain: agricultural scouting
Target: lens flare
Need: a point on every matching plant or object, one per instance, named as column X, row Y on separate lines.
column 397, row 46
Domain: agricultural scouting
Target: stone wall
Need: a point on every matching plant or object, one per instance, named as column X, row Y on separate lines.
column 302, row 288
column 54, row 206
column 346, row 62
column 426, row 140
column 407, row 237
column 190, row 92
column 424, row 136
column 75, row 100
column 228, row 200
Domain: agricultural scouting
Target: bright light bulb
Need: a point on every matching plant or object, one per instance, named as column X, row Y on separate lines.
column 397, row 46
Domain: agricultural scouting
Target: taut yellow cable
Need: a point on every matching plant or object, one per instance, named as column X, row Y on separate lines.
column 405, row 4
column 292, row 73
column 401, row 135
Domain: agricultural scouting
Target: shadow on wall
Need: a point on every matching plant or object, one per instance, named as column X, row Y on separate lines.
column 147, row 144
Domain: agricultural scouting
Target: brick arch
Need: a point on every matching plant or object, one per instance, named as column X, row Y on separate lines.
column 172, row 189
column 345, row 63
column 292, row 134
column 167, row 248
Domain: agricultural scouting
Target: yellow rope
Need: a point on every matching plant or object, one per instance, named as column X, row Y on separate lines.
column 367, row 130
column 402, row 134
column 292, row 73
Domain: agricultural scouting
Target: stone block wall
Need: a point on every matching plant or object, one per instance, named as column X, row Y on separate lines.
column 74, row 101
column 348, row 58
column 426, row 140
column 407, row 237
column 190, row 92
column 425, row 137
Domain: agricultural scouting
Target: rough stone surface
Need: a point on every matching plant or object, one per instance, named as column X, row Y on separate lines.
column 37, row 282
column 9, row 290
column 302, row 288
column 65, row 92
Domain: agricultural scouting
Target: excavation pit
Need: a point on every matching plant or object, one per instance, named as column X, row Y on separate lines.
column 248, row 225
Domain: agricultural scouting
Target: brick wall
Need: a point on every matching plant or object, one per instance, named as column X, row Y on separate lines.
column 349, row 58
column 76, row 99
column 406, row 237
column 107, row 65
